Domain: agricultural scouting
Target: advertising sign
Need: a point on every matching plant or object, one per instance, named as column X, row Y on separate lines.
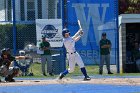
column 51, row 29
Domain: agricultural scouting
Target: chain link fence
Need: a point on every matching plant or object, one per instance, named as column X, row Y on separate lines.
column 26, row 12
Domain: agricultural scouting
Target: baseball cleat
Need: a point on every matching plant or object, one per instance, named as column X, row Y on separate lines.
column 87, row 78
column 100, row 73
column 60, row 76
column 51, row 74
column 9, row 80
column 12, row 80
column 44, row 74
column 110, row 73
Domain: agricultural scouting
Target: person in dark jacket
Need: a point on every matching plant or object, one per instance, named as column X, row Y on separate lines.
column 105, row 47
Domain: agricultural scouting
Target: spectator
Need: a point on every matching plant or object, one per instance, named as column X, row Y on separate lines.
column 46, row 56
column 136, row 55
column 105, row 47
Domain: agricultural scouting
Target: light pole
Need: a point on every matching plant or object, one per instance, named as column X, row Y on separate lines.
column 14, row 29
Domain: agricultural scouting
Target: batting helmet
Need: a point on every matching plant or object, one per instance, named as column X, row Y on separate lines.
column 65, row 30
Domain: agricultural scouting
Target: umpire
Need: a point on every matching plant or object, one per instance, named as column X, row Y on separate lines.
column 105, row 47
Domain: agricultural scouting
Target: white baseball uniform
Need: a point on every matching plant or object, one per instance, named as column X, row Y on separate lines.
column 72, row 55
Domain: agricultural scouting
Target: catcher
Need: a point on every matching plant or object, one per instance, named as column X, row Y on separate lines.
column 5, row 69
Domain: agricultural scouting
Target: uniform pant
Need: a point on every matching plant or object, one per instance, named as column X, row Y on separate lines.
column 46, row 60
column 74, row 58
column 138, row 64
column 104, row 58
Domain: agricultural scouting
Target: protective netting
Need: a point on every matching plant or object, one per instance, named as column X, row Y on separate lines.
column 26, row 13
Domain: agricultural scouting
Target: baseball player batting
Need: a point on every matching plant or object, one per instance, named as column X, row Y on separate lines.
column 72, row 55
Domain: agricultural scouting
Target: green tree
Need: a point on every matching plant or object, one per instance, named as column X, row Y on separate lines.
column 134, row 6
column 129, row 6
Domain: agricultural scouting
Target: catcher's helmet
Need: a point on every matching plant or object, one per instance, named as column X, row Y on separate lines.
column 65, row 30
column 5, row 50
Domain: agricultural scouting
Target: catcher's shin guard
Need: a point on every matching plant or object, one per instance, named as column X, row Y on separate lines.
column 9, row 78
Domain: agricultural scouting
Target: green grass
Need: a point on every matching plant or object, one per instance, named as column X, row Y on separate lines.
column 92, row 70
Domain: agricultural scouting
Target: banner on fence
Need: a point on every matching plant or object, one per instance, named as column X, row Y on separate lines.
column 96, row 17
column 52, row 29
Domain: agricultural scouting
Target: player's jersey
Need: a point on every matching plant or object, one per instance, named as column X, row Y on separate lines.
column 69, row 44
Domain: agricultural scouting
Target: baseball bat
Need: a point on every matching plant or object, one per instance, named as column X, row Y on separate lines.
column 79, row 24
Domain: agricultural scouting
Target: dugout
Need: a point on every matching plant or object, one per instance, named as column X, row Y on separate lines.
column 129, row 35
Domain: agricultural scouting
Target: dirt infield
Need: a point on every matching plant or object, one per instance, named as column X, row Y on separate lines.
column 112, row 81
